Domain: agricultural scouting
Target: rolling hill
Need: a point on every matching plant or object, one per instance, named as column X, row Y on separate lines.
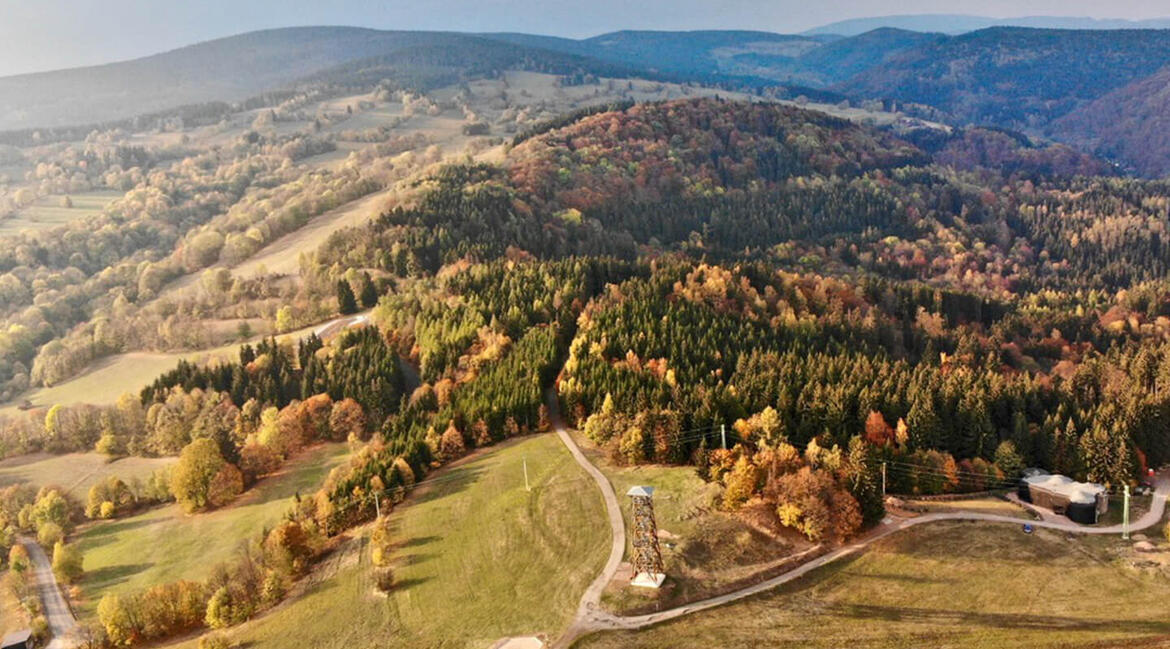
column 247, row 65
column 962, row 23
column 1015, row 77
column 1127, row 125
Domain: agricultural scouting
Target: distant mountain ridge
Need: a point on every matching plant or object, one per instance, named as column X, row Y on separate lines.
column 963, row 23
column 247, row 65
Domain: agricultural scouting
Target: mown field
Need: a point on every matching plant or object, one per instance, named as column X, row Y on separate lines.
column 75, row 472
column 942, row 585
column 479, row 559
column 47, row 211
column 164, row 544
column 111, row 377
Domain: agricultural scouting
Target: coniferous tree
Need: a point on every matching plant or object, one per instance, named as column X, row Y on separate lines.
column 346, row 302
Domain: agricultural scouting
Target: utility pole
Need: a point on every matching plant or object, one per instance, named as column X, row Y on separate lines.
column 723, row 435
column 378, row 504
column 526, row 486
column 883, row 479
column 1125, row 516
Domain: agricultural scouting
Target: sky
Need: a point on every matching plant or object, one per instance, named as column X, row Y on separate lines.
column 38, row 35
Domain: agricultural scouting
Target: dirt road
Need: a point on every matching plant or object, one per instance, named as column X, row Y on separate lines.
column 62, row 624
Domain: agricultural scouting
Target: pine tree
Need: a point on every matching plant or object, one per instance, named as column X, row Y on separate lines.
column 369, row 293
column 346, row 302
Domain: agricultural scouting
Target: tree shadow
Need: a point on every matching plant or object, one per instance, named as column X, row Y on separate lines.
column 454, row 481
column 113, row 575
column 411, row 559
column 117, row 527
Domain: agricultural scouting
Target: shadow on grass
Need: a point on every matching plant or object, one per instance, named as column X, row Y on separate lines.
column 114, row 575
column 454, row 481
column 411, row 559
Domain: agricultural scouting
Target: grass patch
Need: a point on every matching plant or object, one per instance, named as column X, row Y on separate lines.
column 943, row 584
column 47, row 212
column 164, row 544
column 75, row 472
column 984, row 505
column 479, row 558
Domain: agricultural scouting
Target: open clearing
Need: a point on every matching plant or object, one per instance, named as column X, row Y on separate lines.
column 75, row 472
column 109, row 378
column 164, row 544
column 282, row 256
column 479, row 558
column 943, row 584
column 984, row 505
column 704, row 550
column 47, row 212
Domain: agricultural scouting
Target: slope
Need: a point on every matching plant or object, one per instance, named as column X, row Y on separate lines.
column 1128, row 125
column 1015, row 77
column 243, row 66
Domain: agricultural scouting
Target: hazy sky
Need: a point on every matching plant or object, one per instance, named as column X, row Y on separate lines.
column 48, row 34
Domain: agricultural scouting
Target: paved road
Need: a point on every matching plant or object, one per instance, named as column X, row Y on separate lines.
column 61, row 621
column 590, row 616
column 340, row 324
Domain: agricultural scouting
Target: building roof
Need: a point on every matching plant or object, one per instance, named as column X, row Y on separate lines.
column 641, row 491
column 16, row 637
column 1076, row 492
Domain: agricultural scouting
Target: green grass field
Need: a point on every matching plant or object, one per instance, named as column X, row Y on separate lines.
column 75, row 472
column 164, row 544
column 942, row 585
column 479, row 558
column 47, row 212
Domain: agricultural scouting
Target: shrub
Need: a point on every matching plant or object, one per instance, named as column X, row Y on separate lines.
column 67, row 562
column 214, row 641
column 50, row 534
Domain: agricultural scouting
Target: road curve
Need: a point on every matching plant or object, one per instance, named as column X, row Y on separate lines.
column 589, row 613
column 590, row 616
column 62, row 624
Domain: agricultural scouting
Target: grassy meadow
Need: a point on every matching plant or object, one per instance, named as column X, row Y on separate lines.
column 47, row 212
column 479, row 559
column 941, row 585
column 164, row 544
column 75, row 472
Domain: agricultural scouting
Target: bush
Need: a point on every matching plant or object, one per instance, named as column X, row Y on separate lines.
column 50, row 534
column 67, row 562
column 214, row 641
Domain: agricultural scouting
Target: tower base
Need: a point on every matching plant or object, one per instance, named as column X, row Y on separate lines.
column 648, row 580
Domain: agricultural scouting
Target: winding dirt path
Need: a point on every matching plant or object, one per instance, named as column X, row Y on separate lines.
column 591, row 618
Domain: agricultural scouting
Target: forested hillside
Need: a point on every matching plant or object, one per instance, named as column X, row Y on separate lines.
column 958, row 305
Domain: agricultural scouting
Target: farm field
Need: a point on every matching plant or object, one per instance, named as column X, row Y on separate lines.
column 75, row 472
column 947, row 584
column 47, row 212
column 479, row 559
column 164, row 544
